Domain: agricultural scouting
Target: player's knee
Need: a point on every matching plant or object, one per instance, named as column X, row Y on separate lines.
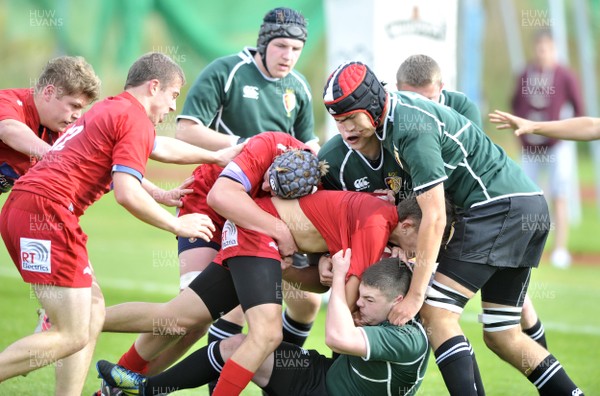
column 76, row 339
column 499, row 341
column 97, row 319
column 269, row 334
column 500, row 326
column 187, row 278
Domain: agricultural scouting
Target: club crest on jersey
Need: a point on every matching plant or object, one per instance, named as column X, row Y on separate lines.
column 250, row 92
column 229, row 236
column 394, row 183
column 35, row 255
column 289, row 101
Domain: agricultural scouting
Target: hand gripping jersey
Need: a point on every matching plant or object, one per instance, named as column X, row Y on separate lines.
column 248, row 168
column 344, row 219
column 233, row 97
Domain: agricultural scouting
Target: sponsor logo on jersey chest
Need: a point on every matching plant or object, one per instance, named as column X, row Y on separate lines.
column 361, row 184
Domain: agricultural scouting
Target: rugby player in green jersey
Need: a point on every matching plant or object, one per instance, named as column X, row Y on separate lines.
column 500, row 237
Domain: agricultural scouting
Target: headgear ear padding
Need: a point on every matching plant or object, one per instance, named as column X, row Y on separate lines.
column 354, row 87
column 294, row 174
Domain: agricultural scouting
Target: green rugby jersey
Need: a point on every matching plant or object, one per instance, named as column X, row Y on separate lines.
column 350, row 170
column 460, row 103
column 395, row 363
column 434, row 144
column 232, row 96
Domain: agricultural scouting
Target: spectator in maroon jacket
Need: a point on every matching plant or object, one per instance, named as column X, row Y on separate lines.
column 546, row 91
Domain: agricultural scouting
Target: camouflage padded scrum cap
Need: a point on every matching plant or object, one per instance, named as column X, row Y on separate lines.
column 353, row 87
column 280, row 22
column 294, row 174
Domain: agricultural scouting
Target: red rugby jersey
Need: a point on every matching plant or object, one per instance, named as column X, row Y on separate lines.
column 77, row 170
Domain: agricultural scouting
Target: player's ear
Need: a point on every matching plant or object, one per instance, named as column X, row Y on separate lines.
column 49, row 92
column 398, row 299
column 154, row 86
column 406, row 224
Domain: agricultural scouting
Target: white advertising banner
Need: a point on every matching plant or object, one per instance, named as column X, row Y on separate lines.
column 383, row 33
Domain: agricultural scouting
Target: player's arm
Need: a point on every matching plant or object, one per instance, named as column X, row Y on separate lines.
column 578, row 128
column 429, row 239
column 230, row 199
column 305, row 278
column 197, row 134
column 170, row 197
column 130, row 194
column 174, row 151
column 341, row 335
column 21, row 138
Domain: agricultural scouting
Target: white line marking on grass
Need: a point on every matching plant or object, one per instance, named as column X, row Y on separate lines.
column 170, row 290
column 118, row 284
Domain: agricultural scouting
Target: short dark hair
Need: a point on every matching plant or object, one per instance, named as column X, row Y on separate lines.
column 418, row 71
column 390, row 276
column 154, row 65
column 409, row 208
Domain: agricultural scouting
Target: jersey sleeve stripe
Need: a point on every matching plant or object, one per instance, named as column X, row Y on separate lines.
column 188, row 117
column 234, row 172
column 128, row 170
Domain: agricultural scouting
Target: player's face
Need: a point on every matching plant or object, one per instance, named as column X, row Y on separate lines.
column 431, row 91
column 163, row 100
column 58, row 112
column 408, row 241
column 356, row 130
column 373, row 305
column 282, row 56
column 266, row 186
column 404, row 236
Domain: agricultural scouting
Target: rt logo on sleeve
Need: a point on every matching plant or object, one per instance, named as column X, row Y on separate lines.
column 35, row 255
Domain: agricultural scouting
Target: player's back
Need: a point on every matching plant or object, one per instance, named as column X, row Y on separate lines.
column 77, row 170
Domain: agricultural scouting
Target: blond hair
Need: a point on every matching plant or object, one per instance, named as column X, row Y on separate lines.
column 71, row 75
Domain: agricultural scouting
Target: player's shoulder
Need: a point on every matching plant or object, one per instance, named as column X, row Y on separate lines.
column 413, row 329
column 15, row 97
column 450, row 95
column 123, row 106
column 229, row 63
column 275, row 140
column 333, row 147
